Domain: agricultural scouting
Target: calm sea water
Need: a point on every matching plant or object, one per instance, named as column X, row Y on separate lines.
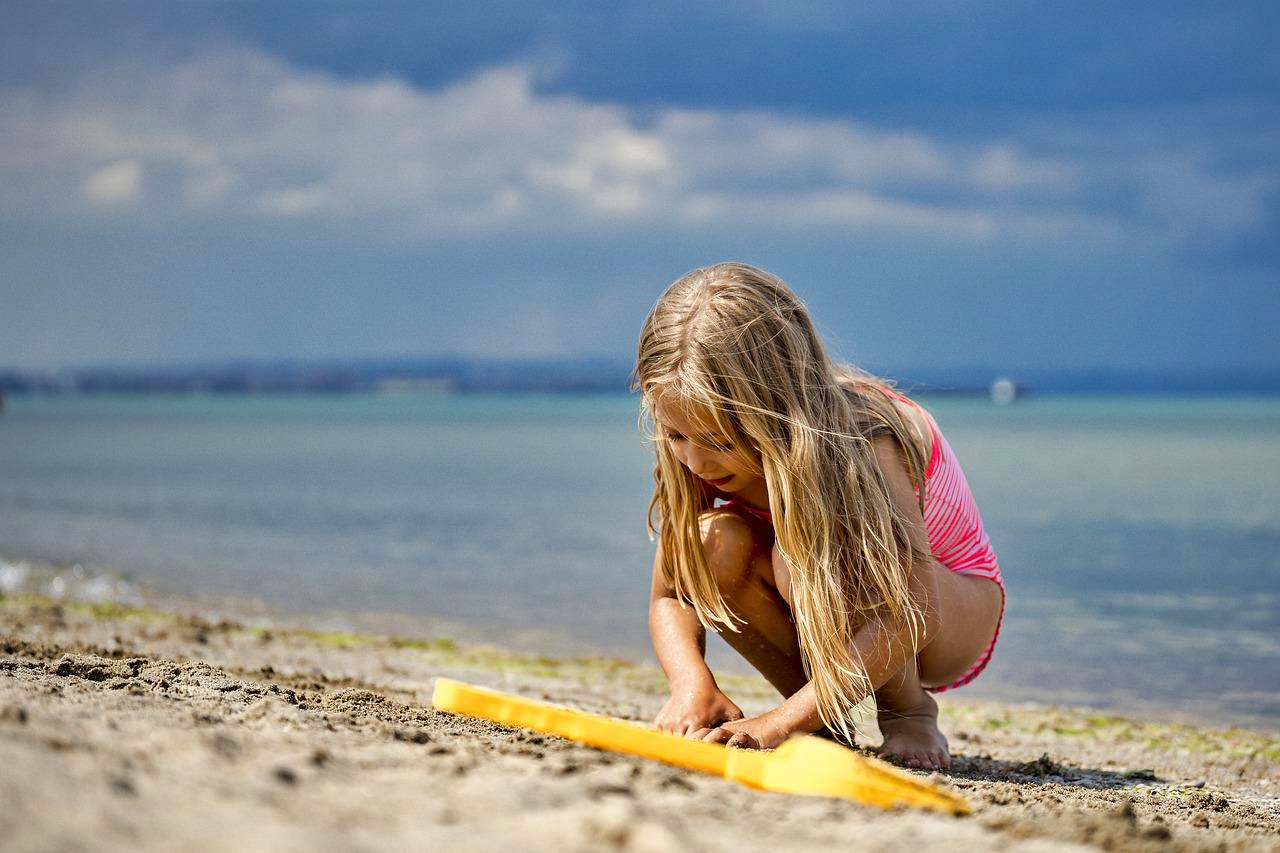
column 1140, row 538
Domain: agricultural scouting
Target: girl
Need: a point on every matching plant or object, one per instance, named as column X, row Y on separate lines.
column 810, row 514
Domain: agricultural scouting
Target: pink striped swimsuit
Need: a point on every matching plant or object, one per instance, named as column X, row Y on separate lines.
column 954, row 527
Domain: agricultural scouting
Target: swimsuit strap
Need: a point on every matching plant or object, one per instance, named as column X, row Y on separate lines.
column 756, row 511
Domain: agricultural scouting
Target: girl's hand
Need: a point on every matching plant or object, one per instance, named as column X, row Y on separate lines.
column 762, row 732
column 696, row 709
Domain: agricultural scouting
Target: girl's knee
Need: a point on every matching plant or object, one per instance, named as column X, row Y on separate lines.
column 730, row 544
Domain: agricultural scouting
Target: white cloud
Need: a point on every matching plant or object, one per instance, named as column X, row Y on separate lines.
column 853, row 209
column 1003, row 167
column 242, row 134
column 119, row 183
column 295, row 201
column 202, row 187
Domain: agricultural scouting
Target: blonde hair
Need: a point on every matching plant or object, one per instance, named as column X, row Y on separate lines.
column 736, row 342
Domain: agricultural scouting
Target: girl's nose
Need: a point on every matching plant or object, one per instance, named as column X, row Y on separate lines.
column 697, row 459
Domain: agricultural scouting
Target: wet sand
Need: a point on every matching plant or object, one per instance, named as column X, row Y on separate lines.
column 126, row 728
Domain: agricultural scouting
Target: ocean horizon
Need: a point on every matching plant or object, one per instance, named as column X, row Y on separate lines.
column 598, row 374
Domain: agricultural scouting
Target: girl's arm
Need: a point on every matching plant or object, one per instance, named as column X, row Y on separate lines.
column 680, row 642
column 679, row 639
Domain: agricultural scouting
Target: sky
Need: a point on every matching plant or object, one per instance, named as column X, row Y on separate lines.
column 1020, row 185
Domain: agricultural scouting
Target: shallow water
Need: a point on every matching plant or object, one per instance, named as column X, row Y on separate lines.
column 1140, row 537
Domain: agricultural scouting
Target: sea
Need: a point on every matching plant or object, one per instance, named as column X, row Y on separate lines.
column 1139, row 536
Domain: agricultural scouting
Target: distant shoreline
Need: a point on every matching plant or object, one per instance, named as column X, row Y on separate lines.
column 448, row 375
column 914, row 389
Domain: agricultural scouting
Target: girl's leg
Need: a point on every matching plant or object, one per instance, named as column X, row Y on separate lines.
column 739, row 553
column 967, row 611
column 755, row 583
column 908, row 720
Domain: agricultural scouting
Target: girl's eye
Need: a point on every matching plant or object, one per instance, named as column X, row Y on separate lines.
column 718, row 446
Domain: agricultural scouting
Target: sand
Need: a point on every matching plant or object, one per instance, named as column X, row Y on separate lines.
column 125, row 728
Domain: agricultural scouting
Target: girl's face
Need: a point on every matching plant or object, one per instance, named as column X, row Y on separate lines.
column 696, row 442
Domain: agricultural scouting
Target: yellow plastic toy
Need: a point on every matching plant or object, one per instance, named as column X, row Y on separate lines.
column 802, row 765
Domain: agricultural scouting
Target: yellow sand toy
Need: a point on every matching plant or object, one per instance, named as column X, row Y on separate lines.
column 802, row 765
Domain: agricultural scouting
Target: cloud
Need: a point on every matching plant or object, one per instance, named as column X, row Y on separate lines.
column 241, row 134
column 1001, row 167
column 202, row 187
column 116, row 184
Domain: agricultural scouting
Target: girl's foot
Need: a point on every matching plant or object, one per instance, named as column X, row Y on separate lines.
column 912, row 737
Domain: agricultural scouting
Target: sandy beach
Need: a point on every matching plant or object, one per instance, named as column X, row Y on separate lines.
column 140, row 729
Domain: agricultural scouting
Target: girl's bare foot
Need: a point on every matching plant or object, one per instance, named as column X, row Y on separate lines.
column 912, row 737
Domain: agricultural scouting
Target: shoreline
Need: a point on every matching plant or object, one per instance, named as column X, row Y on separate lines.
column 73, row 586
column 169, row 728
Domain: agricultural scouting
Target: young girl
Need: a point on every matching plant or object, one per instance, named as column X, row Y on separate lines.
column 813, row 517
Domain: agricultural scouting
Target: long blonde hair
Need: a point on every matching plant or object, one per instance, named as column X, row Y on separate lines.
column 735, row 342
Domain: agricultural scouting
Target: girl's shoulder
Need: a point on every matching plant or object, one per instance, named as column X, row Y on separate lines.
column 915, row 417
column 907, row 408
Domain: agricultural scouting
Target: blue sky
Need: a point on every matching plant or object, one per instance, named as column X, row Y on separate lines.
column 1020, row 185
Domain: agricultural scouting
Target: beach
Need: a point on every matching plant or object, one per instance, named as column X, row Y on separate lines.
column 128, row 727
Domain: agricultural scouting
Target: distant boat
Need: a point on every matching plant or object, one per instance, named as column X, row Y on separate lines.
column 1003, row 391
column 413, row 385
